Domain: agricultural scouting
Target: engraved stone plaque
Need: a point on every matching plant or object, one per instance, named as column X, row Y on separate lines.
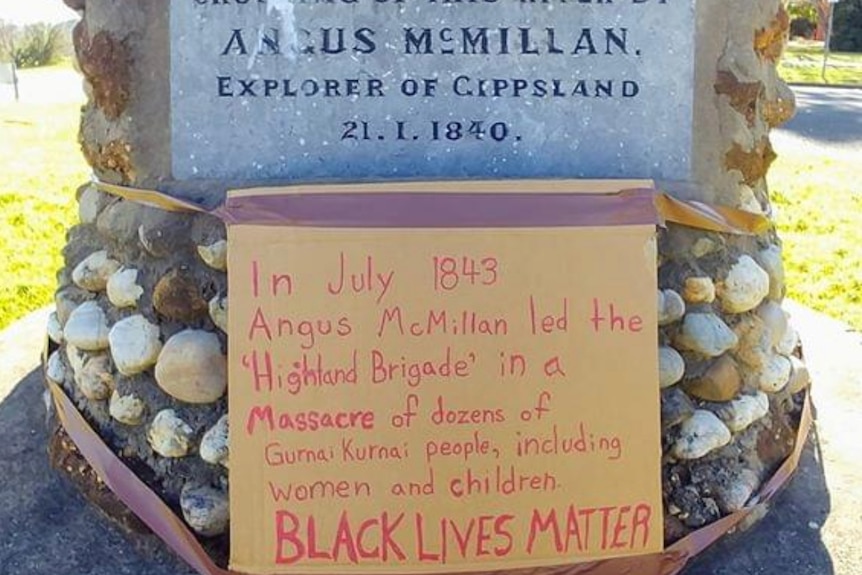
column 327, row 90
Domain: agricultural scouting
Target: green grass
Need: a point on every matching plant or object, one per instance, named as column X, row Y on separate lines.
column 819, row 217
column 803, row 63
column 40, row 169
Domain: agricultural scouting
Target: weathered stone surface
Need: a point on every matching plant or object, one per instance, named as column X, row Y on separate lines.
column 698, row 435
column 163, row 233
column 127, row 409
column 104, row 61
column 178, row 296
column 55, row 370
column 789, row 340
column 90, row 204
column 774, row 321
column 87, row 327
column 800, row 378
column 215, row 255
column 769, row 41
column 705, row 333
column 771, row 262
column 733, row 495
column 205, row 509
column 676, row 407
column 169, row 436
column 546, row 136
column 671, row 366
column 780, row 108
column 215, row 445
column 671, row 307
column 752, row 163
column 773, row 376
column 744, row 287
column 119, row 221
column 754, row 347
column 191, row 367
column 54, row 329
column 721, row 382
column 123, row 288
column 135, row 344
column 95, row 378
column 218, row 312
column 698, row 290
column 748, row 200
column 67, row 300
column 743, row 96
column 92, row 274
column 743, row 411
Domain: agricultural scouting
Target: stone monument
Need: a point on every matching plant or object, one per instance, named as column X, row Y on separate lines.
column 196, row 97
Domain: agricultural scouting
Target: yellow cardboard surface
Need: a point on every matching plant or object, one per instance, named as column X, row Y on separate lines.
column 427, row 401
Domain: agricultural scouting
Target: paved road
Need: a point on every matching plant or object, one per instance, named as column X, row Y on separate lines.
column 826, row 118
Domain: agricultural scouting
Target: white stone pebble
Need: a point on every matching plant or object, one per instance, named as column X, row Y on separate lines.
column 744, row 410
column 744, row 287
column 214, row 445
column 88, row 205
column 699, row 434
column 55, row 370
column 87, row 327
column 218, row 312
column 169, row 436
column 770, row 260
column 705, row 333
column 205, row 509
column 75, row 357
column 773, row 376
column 54, row 328
column 95, row 378
column 774, row 321
column 135, row 344
column 192, row 368
column 215, row 255
column 127, row 409
column 800, row 378
column 736, row 494
column 698, row 290
column 93, row 272
column 671, row 307
column 748, row 201
column 788, row 341
column 123, row 288
column 671, row 366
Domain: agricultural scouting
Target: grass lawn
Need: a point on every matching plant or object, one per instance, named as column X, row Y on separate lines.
column 40, row 169
column 803, row 62
column 818, row 208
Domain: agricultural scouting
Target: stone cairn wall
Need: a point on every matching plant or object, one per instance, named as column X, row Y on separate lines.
column 141, row 311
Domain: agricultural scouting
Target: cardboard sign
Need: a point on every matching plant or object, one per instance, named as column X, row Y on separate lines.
column 442, row 400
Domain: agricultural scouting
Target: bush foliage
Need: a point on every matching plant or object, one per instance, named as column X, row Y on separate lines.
column 847, row 26
column 32, row 45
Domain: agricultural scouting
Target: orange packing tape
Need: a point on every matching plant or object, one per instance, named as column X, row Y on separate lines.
column 694, row 214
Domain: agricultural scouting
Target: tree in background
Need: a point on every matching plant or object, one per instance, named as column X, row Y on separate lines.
column 847, row 26
column 32, row 45
column 803, row 19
